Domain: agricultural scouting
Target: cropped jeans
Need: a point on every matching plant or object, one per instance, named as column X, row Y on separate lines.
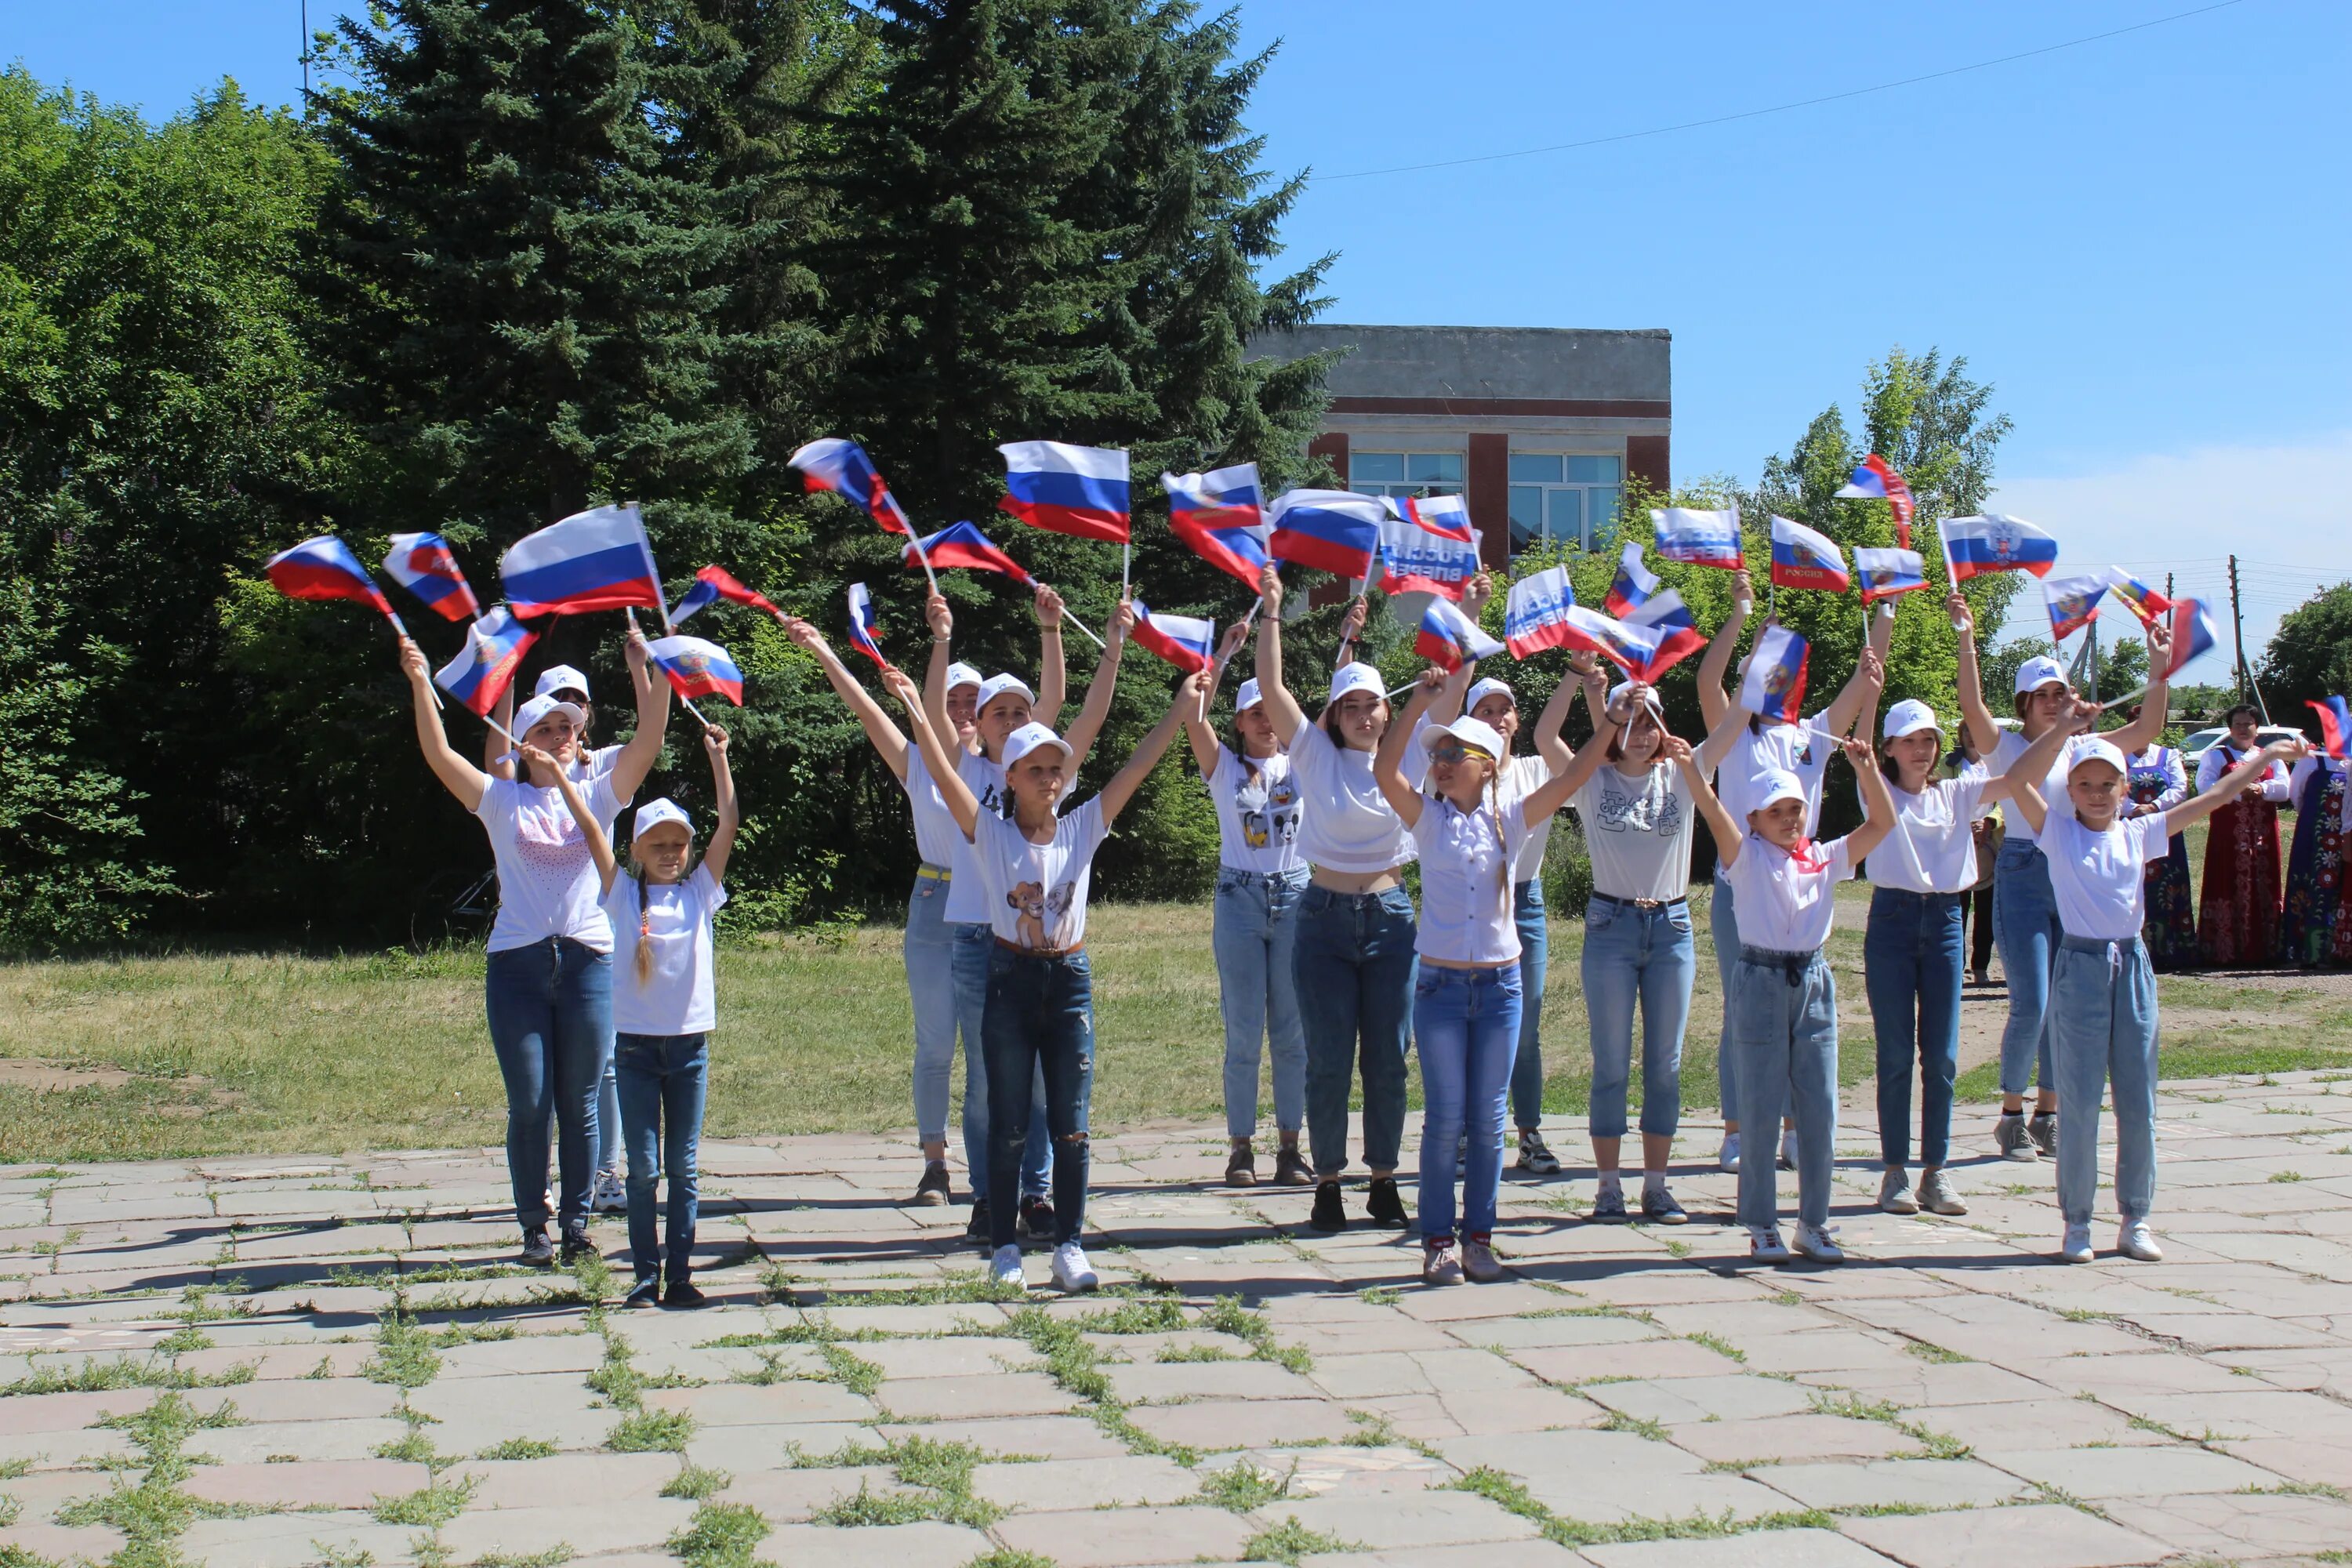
column 928, row 951
column 1649, row 956
column 1465, row 1025
column 974, row 947
column 1535, row 952
column 2103, row 1006
column 663, row 1079
column 1354, row 966
column 551, row 1015
column 1784, row 1033
column 1723, row 925
column 2025, row 926
column 1911, row 971
column 1254, row 936
column 1040, row 1023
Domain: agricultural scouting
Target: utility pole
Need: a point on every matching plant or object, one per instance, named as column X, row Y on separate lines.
column 306, row 57
column 2238, row 628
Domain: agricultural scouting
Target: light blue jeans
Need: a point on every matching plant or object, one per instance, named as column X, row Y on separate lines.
column 2025, row 925
column 663, row 1080
column 1723, row 925
column 1784, row 1035
column 1646, row 955
column 1254, row 932
column 1465, row 1025
column 1535, row 952
column 611, row 1147
column 974, row 946
column 927, row 949
column 2103, row 1003
column 551, row 1014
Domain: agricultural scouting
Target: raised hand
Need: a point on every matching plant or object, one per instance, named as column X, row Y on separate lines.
column 2285, row 750
column 1048, row 606
column 714, row 740
column 535, row 756
column 1675, row 749
column 2160, row 644
column 1122, row 622
column 936, row 614
column 1964, row 619
column 909, row 696
column 412, row 665
column 1857, row 751
column 1432, row 678
column 1870, row 668
column 635, row 650
column 1351, row 624
column 1584, row 661
column 1269, row 590
column 1475, row 593
column 1231, row 643
column 804, row 635
column 1743, row 591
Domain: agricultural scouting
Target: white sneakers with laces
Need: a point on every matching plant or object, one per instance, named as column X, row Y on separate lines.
column 1479, row 1262
column 1765, row 1245
column 1727, row 1157
column 1813, row 1241
column 1004, row 1268
column 2076, row 1247
column 612, row 1195
column 2135, row 1240
column 1071, row 1271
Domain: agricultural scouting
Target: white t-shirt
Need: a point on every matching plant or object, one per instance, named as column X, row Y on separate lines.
column 1932, row 847
column 967, row 899
column 1797, row 749
column 1638, row 831
column 1465, row 899
column 2052, row 789
column 1345, row 823
column 2221, row 756
column 2094, row 877
column 547, row 879
column 1037, row 892
column 1522, row 776
column 677, row 917
column 1779, row 905
column 1258, row 818
column 937, row 836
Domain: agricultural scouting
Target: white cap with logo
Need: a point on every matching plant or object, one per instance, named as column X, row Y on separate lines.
column 2096, row 750
column 1027, row 739
column 561, row 678
column 1355, row 677
column 538, row 707
column 1908, row 717
column 654, row 813
column 1774, row 785
column 996, row 686
column 2038, row 672
column 961, row 674
column 1472, row 732
column 1489, row 687
column 1248, row 697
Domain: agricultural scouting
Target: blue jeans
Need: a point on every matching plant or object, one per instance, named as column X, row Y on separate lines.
column 1651, row 956
column 663, row 1079
column 973, row 946
column 1784, row 1033
column 1911, row 971
column 1041, row 1021
column 1465, row 1025
column 2025, row 925
column 1535, row 952
column 1254, row 932
column 551, row 1012
column 1354, row 964
column 2104, row 1001
column 609, row 1143
column 927, row 949
column 1723, row 925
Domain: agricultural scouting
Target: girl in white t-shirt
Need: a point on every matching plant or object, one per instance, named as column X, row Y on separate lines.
column 1035, row 864
column 1783, row 998
column 664, row 1008
column 2103, row 995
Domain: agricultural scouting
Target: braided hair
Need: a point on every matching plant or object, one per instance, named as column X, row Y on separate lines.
column 644, row 954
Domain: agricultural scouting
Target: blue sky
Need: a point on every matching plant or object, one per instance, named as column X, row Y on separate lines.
column 2140, row 242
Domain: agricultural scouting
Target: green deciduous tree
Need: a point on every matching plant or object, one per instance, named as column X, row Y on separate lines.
column 2310, row 657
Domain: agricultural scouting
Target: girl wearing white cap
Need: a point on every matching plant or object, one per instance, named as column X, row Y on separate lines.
column 548, row 986
column 1746, row 754
column 1260, row 874
column 1920, row 879
column 1035, row 864
column 976, row 728
column 1783, row 999
column 2025, row 910
column 2070, row 794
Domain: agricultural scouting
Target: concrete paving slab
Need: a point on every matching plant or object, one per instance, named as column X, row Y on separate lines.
column 2044, row 1535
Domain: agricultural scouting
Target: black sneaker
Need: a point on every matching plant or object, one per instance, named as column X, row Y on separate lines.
column 1609, row 1206
column 646, row 1292
column 1291, row 1168
column 1329, row 1214
column 976, row 1227
column 1383, row 1206
column 932, row 1189
column 576, row 1245
column 1658, row 1206
column 538, row 1252
column 1037, row 1217
column 683, row 1296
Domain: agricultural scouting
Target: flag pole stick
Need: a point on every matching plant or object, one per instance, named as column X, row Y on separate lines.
column 402, row 632
column 1126, row 568
column 915, row 542
column 1070, row 620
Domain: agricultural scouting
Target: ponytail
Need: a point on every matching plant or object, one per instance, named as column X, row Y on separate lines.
column 1502, row 844
column 644, row 957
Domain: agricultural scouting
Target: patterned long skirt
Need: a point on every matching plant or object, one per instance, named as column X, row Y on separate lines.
column 2169, row 929
column 2238, row 908
column 2315, row 870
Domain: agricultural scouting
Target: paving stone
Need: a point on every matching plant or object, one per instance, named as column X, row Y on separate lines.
column 2097, row 1473
column 1609, row 1478
column 1129, row 1481
column 973, row 1397
column 477, row 1413
column 1344, row 1470
column 1024, row 1437
column 752, row 1404
column 264, row 1442
column 296, row 1540
column 2237, row 1526
column 1124, row 1538
column 2042, row 1535
column 1415, row 1372
column 797, row 1495
column 1898, row 1483
column 1511, row 1334
column 1400, row 1519
column 969, row 1356
column 1165, row 1381
column 574, row 1353
column 562, row 1478
column 637, row 1522
column 1216, row 1424
column 1481, row 1554
column 62, row 1543
column 739, row 1450
column 2032, row 1426
column 1573, row 1364
column 1765, row 1549
column 927, row 1545
column 321, row 1483
column 1737, row 1396
column 1794, row 1437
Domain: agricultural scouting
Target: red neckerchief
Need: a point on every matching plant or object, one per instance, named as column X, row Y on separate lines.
column 1806, row 860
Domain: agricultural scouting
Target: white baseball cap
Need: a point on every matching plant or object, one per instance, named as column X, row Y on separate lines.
column 1027, row 739
column 1355, row 677
column 1489, row 687
column 560, row 678
column 538, row 707
column 1248, row 697
column 1774, row 785
column 2096, row 750
column 1908, row 717
column 996, row 686
column 1473, row 732
column 2038, row 672
column 961, row 675
column 654, row 813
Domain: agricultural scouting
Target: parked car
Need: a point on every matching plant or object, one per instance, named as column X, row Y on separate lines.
column 2195, row 746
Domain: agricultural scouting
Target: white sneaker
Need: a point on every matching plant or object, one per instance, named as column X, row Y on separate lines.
column 1813, row 1241
column 1535, row 1157
column 1789, row 1149
column 611, row 1196
column 1765, row 1245
column 1439, row 1265
column 2076, row 1248
column 1727, row 1157
column 1004, row 1268
column 1479, row 1262
column 1894, row 1192
column 1461, row 1156
column 2137, row 1241
column 1071, row 1272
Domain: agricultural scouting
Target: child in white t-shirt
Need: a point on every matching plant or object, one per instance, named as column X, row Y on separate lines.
column 663, row 1012
column 1782, row 1005
column 2103, row 995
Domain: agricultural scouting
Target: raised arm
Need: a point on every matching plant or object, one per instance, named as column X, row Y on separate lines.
column 1281, row 708
column 1052, row 670
column 1983, row 733
column 878, row 729
column 458, row 777
column 1550, row 744
column 941, row 620
column 1151, row 748
column 2197, row 807
column 1594, row 754
column 1089, row 721
column 498, row 756
column 1718, row 658
column 2026, row 776
column 1718, row 744
column 1197, row 729
column 1877, row 805
column 637, row 758
column 600, row 848
column 960, row 801
column 1352, row 633
column 1859, row 696
column 1728, row 834
column 2147, row 729
column 716, row 854
column 1388, row 762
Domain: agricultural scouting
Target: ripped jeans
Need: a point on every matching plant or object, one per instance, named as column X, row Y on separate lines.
column 1040, row 1017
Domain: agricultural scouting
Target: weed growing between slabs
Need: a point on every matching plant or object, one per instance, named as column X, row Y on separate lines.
column 153, row 1512
column 1496, row 1487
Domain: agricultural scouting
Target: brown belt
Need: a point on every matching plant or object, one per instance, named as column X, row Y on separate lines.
column 1040, row 952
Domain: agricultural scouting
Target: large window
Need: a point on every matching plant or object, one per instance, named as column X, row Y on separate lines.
column 1405, row 473
column 1563, row 499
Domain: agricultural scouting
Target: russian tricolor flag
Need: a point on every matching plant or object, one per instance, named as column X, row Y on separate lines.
column 2335, row 726
column 1427, row 546
column 1633, row 583
column 594, row 560
column 842, row 467
column 1699, row 537
column 2138, row 597
column 1884, row 573
column 1632, row 649
column 325, row 568
column 1448, row 636
column 1184, row 641
column 1535, row 617
column 961, row 545
column 2193, row 633
column 485, row 667
column 1807, row 558
column 1221, row 514
column 1336, row 531
column 1774, row 687
column 713, row 583
column 1066, row 490
column 1875, row 479
column 2072, row 603
column 697, row 669
column 1667, row 618
column 424, row 565
column 1975, row 545
column 863, row 629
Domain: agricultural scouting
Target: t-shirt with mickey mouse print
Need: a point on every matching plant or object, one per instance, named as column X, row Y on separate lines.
column 1257, row 815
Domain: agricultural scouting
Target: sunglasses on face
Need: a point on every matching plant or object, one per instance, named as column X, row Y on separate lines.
column 1454, row 752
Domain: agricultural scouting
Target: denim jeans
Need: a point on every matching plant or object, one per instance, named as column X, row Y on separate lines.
column 1723, row 925
column 1041, row 1021
column 1254, row 931
column 1354, row 965
column 551, row 1012
column 610, row 1145
column 2104, row 1001
column 928, row 951
column 1651, row 956
column 663, row 1079
column 974, row 944
column 1911, row 971
column 2025, row 926
column 1465, row 1025
column 1784, row 1033
column 1535, row 952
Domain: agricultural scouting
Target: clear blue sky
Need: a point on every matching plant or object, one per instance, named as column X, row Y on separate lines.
column 2140, row 242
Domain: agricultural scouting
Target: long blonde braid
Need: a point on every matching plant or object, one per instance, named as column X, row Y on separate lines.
column 644, row 957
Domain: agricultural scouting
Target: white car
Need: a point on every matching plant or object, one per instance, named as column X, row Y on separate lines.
column 2195, row 746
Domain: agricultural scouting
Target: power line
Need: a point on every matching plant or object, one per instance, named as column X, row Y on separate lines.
column 1779, row 108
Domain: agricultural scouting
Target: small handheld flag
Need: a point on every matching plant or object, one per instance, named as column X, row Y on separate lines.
column 2193, row 633
column 697, row 669
column 325, row 568
column 1632, row 649
column 594, row 560
column 1667, row 618
column 1700, row 538
column 1336, row 531
column 2073, row 602
column 842, row 467
column 1184, row 641
column 962, row 545
column 1080, row 490
column 485, row 667
column 1633, row 583
column 1449, row 637
column 1806, row 558
column 713, row 583
column 863, row 629
column 2135, row 596
column 1427, row 547
column 1875, row 479
column 1884, row 573
column 1976, row 545
column 1774, row 689
column 1535, row 616
column 424, row 564
column 1221, row 515
column 2335, row 726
